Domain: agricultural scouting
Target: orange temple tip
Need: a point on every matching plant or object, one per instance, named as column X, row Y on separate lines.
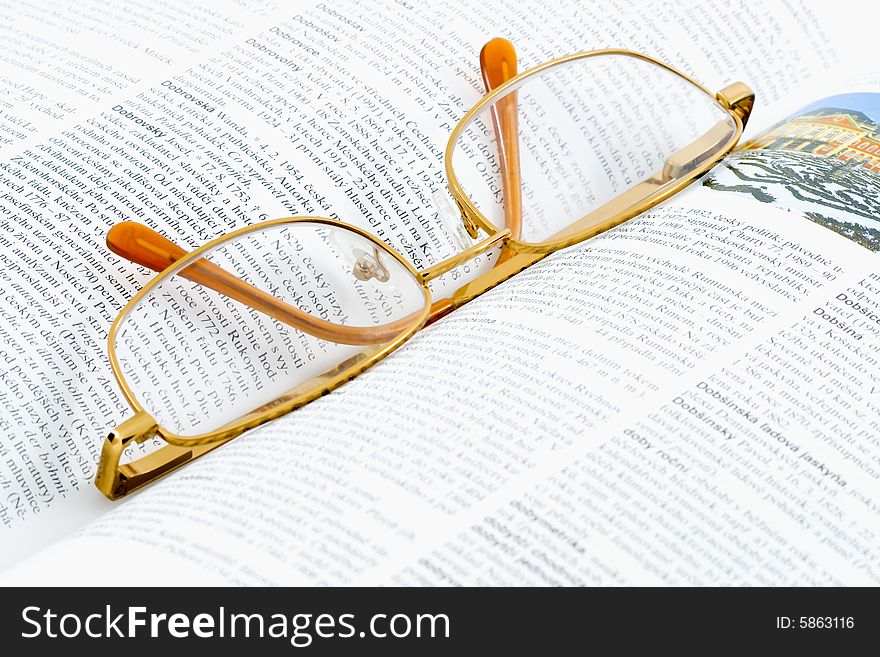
column 497, row 62
column 142, row 245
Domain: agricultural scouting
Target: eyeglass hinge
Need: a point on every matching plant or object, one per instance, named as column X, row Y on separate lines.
column 738, row 98
column 137, row 429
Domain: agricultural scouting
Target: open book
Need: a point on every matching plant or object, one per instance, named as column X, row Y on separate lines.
column 690, row 398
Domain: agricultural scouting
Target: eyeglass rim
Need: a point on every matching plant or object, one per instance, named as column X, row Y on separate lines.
column 471, row 214
column 236, row 427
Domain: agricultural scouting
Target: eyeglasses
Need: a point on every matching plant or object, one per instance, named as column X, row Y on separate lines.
column 267, row 318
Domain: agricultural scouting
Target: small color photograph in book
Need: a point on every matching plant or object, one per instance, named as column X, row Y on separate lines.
column 822, row 163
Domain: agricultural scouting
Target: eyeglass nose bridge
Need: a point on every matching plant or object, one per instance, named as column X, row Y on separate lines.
column 496, row 238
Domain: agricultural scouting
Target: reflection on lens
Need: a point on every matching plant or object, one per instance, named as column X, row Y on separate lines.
column 260, row 318
column 565, row 142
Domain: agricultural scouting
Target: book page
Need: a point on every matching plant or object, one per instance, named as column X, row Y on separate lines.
column 760, row 468
column 753, row 469
column 62, row 185
column 61, row 62
column 565, row 439
column 345, row 488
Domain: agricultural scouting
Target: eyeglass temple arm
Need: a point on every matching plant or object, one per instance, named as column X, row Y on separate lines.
column 116, row 481
column 498, row 64
column 144, row 246
column 737, row 98
column 141, row 245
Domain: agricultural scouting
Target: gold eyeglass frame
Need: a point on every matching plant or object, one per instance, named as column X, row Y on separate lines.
column 116, row 480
